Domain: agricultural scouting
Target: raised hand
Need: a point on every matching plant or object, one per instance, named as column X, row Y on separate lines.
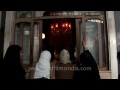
column 84, row 43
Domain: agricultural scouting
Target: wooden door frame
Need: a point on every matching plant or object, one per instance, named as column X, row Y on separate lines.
column 21, row 38
column 78, row 38
column 40, row 35
column 40, row 21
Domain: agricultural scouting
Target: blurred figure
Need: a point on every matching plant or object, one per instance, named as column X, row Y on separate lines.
column 64, row 69
column 87, row 65
column 42, row 69
column 11, row 67
column 64, row 57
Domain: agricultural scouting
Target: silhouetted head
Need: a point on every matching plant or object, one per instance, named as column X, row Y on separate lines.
column 11, row 65
column 13, row 54
column 64, row 57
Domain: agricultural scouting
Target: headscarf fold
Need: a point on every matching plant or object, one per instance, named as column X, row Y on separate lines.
column 64, row 57
column 43, row 65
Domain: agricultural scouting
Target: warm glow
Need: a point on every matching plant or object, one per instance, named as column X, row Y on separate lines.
column 56, row 25
column 63, row 25
column 69, row 25
column 52, row 26
column 60, row 27
column 43, row 36
column 66, row 24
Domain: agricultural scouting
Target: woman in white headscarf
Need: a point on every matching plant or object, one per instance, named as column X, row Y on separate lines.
column 42, row 70
column 64, row 57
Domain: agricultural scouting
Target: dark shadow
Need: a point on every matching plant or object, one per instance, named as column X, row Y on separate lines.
column 2, row 29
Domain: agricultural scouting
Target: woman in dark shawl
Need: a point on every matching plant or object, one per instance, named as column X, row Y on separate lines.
column 87, row 65
column 11, row 67
column 118, row 57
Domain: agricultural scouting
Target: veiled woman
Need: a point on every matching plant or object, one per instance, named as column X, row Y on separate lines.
column 11, row 67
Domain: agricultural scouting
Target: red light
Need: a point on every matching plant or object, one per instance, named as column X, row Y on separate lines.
column 56, row 25
column 69, row 25
column 63, row 25
column 60, row 27
column 66, row 24
column 52, row 26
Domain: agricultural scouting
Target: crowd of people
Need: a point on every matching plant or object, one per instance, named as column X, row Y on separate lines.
column 11, row 67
